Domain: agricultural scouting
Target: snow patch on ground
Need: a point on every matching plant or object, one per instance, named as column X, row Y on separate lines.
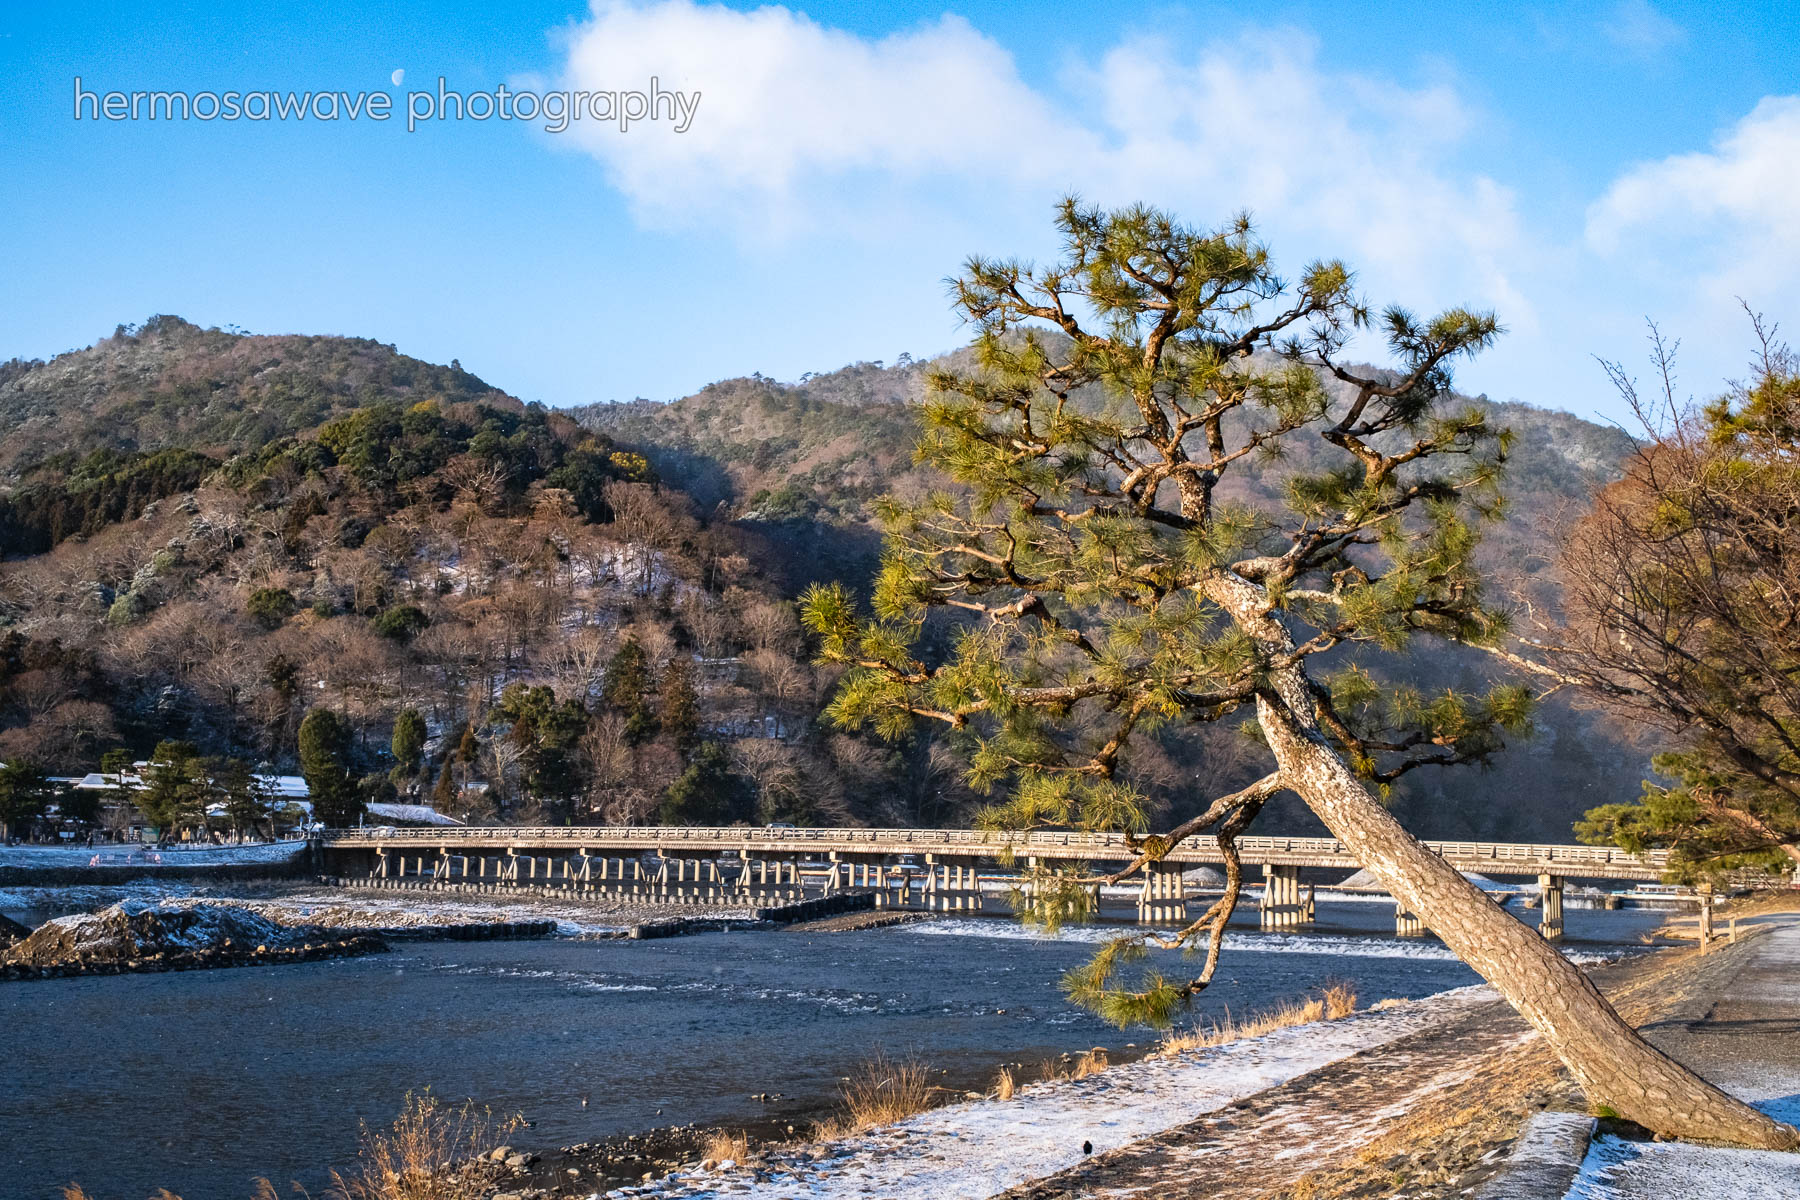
column 983, row 1147
column 335, row 909
column 134, row 928
column 87, row 896
column 1617, row 1169
column 1335, row 945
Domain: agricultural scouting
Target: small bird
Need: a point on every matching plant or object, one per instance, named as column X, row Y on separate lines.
column 1087, row 1148
column 584, row 1101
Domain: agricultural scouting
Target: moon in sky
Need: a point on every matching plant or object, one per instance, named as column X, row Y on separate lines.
column 398, row 75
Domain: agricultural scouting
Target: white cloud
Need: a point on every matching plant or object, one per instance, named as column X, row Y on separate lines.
column 1638, row 28
column 1344, row 164
column 802, row 127
column 787, row 104
column 1723, row 219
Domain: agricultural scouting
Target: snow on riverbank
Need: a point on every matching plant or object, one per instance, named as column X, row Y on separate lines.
column 134, row 929
column 1336, row 945
column 983, row 1147
column 115, row 855
column 352, row 911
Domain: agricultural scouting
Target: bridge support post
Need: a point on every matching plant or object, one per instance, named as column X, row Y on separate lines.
column 1281, row 906
column 1550, row 910
column 1164, row 895
column 1406, row 924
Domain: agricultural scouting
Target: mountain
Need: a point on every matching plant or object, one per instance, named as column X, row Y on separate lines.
column 801, row 462
column 170, row 384
column 205, row 534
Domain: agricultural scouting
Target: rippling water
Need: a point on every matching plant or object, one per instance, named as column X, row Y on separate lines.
column 201, row 1081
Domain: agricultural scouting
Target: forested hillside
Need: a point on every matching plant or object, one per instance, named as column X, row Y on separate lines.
column 802, row 462
column 224, row 532
column 207, row 535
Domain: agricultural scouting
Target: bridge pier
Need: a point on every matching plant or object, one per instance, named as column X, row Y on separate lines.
column 1550, row 907
column 1406, row 924
column 1282, row 905
column 1164, row 896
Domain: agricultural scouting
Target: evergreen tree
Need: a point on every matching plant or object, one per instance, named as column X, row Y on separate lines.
column 25, row 792
column 408, row 744
column 325, row 762
column 1119, row 591
column 116, row 762
column 444, row 794
column 709, row 792
column 248, row 800
column 678, row 704
column 628, row 688
column 546, row 731
column 176, row 788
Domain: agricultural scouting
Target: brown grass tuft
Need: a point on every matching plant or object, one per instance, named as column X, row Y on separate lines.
column 721, row 1145
column 427, row 1154
column 1004, row 1085
column 1335, row 1002
column 1091, row 1063
column 883, row 1091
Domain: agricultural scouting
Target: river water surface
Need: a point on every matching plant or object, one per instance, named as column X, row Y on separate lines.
column 201, row 1081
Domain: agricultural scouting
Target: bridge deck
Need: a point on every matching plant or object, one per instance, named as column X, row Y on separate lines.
column 1486, row 858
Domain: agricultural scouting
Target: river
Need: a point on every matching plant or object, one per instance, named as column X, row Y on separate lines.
column 201, row 1081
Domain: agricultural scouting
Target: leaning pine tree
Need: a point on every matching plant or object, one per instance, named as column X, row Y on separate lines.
column 1109, row 589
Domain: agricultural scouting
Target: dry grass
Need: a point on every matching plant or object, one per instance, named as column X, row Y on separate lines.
column 1004, row 1084
column 1091, row 1063
column 721, row 1145
column 883, row 1091
column 879, row 1092
column 427, row 1154
column 1334, row 1002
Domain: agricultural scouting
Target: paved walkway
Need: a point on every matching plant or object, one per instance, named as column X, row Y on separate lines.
column 1748, row 1042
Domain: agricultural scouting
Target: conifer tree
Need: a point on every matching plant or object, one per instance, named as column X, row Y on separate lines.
column 176, row 788
column 408, row 744
column 1110, row 587
column 678, row 708
column 325, row 762
column 628, row 688
column 25, row 792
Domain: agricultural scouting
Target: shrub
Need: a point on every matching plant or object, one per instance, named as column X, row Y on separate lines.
column 402, row 623
column 270, row 606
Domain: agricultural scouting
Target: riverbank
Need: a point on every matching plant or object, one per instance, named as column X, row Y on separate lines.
column 1422, row 1099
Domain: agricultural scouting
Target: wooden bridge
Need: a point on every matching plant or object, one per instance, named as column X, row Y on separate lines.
column 941, row 869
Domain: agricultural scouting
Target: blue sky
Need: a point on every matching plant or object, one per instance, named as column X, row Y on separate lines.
column 1577, row 168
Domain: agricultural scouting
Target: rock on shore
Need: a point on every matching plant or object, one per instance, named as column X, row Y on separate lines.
column 135, row 935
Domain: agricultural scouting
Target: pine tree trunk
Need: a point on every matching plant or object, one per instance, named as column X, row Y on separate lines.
column 1614, row 1065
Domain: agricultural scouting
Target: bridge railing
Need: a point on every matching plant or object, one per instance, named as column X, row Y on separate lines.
column 1467, row 854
